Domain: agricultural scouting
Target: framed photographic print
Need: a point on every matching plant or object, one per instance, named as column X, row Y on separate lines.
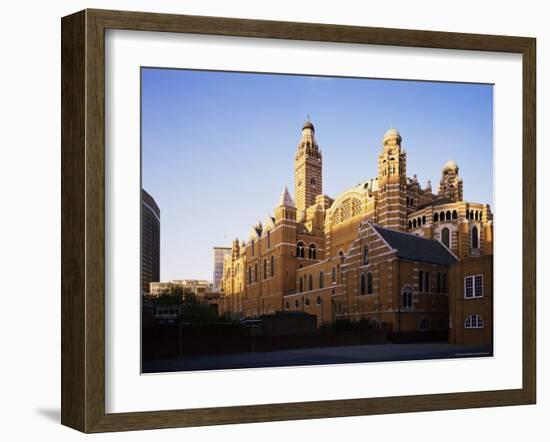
column 270, row 220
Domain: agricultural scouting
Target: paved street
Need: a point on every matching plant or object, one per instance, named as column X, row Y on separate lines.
column 318, row 356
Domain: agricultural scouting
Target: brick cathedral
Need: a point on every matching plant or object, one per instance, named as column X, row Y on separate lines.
column 387, row 249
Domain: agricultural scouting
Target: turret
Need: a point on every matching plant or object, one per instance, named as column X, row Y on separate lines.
column 392, row 181
column 308, row 169
column 450, row 185
column 286, row 209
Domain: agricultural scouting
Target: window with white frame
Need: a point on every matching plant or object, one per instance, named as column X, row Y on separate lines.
column 473, row 286
column 473, row 321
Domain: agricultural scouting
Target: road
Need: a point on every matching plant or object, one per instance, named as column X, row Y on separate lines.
column 318, row 356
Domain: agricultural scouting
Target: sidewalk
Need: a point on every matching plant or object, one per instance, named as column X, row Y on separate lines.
column 318, row 356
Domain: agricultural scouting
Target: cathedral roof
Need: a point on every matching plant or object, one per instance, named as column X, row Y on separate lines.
column 435, row 203
column 416, row 248
column 286, row 199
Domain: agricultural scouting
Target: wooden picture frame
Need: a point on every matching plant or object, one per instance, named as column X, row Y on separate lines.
column 83, row 220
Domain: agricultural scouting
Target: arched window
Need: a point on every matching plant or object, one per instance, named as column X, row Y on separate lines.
column 419, row 222
column 423, row 219
column 310, row 282
column 427, row 282
column 249, row 275
column 475, row 238
column 406, row 299
column 438, row 282
column 410, row 225
column 441, row 216
column 269, row 239
column 272, row 266
column 448, row 215
column 334, row 274
column 444, row 283
column 365, row 255
column 341, row 253
column 414, row 224
column 312, row 252
column 473, row 321
column 424, row 324
column 300, row 250
column 363, row 285
column 445, row 237
column 321, row 280
column 306, row 302
column 265, row 268
column 455, row 214
column 436, row 218
column 256, row 272
column 301, row 284
column 420, row 281
column 312, row 181
column 252, row 247
column 369, row 283
column 319, row 301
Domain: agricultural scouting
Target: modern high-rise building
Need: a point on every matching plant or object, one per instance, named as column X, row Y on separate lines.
column 150, row 241
column 219, row 254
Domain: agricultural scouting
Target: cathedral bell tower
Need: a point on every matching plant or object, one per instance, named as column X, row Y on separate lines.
column 308, row 170
column 392, row 183
column 450, row 185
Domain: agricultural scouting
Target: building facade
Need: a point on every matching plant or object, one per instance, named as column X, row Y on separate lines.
column 386, row 249
column 150, row 241
column 219, row 254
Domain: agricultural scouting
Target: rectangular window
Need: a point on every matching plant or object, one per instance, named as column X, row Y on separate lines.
column 478, row 286
column 321, row 280
column 420, row 281
column 473, row 286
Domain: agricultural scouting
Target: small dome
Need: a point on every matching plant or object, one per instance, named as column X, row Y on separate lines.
column 308, row 125
column 392, row 133
column 451, row 164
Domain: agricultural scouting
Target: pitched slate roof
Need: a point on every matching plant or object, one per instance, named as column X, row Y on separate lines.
column 415, row 248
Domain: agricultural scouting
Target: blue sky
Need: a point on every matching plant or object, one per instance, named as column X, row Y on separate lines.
column 218, row 147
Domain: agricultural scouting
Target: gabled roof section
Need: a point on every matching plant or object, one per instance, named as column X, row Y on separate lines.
column 437, row 202
column 415, row 248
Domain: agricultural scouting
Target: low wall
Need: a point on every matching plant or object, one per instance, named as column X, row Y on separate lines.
column 165, row 342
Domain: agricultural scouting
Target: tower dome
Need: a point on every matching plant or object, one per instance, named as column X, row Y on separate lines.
column 451, row 164
column 391, row 133
column 308, row 125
